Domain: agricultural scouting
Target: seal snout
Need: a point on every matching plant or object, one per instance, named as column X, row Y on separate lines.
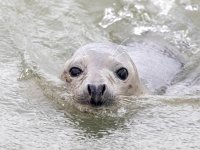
column 96, row 93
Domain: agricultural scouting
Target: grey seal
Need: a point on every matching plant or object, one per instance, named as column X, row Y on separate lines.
column 98, row 73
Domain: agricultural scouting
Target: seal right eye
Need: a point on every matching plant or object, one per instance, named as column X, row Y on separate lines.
column 75, row 71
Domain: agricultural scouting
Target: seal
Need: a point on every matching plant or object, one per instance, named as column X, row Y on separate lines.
column 98, row 73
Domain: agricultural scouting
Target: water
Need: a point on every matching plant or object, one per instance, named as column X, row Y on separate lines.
column 37, row 37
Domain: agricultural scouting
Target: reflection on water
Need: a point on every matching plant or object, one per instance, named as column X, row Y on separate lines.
column 37, row 37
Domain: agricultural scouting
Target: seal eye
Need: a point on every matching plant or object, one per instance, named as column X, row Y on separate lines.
column 75, row 71
column 122, row 73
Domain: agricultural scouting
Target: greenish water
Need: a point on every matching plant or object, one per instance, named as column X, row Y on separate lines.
column 37, row 37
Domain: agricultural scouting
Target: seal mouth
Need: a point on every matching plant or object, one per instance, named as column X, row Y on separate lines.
column 95, row 100
column 96, row 103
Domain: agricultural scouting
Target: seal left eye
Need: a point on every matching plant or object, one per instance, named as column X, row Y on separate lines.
column 122, row 73
column 75, row 71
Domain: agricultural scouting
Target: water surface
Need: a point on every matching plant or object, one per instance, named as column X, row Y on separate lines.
column 37, row 37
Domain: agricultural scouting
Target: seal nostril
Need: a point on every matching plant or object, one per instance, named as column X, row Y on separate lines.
column 103, row 89
column 89, row 89
column 96, row 90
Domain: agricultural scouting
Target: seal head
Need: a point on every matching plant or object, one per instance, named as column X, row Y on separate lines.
column 97, row 73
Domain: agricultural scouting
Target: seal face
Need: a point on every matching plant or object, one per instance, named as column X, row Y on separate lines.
column 97, row 73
